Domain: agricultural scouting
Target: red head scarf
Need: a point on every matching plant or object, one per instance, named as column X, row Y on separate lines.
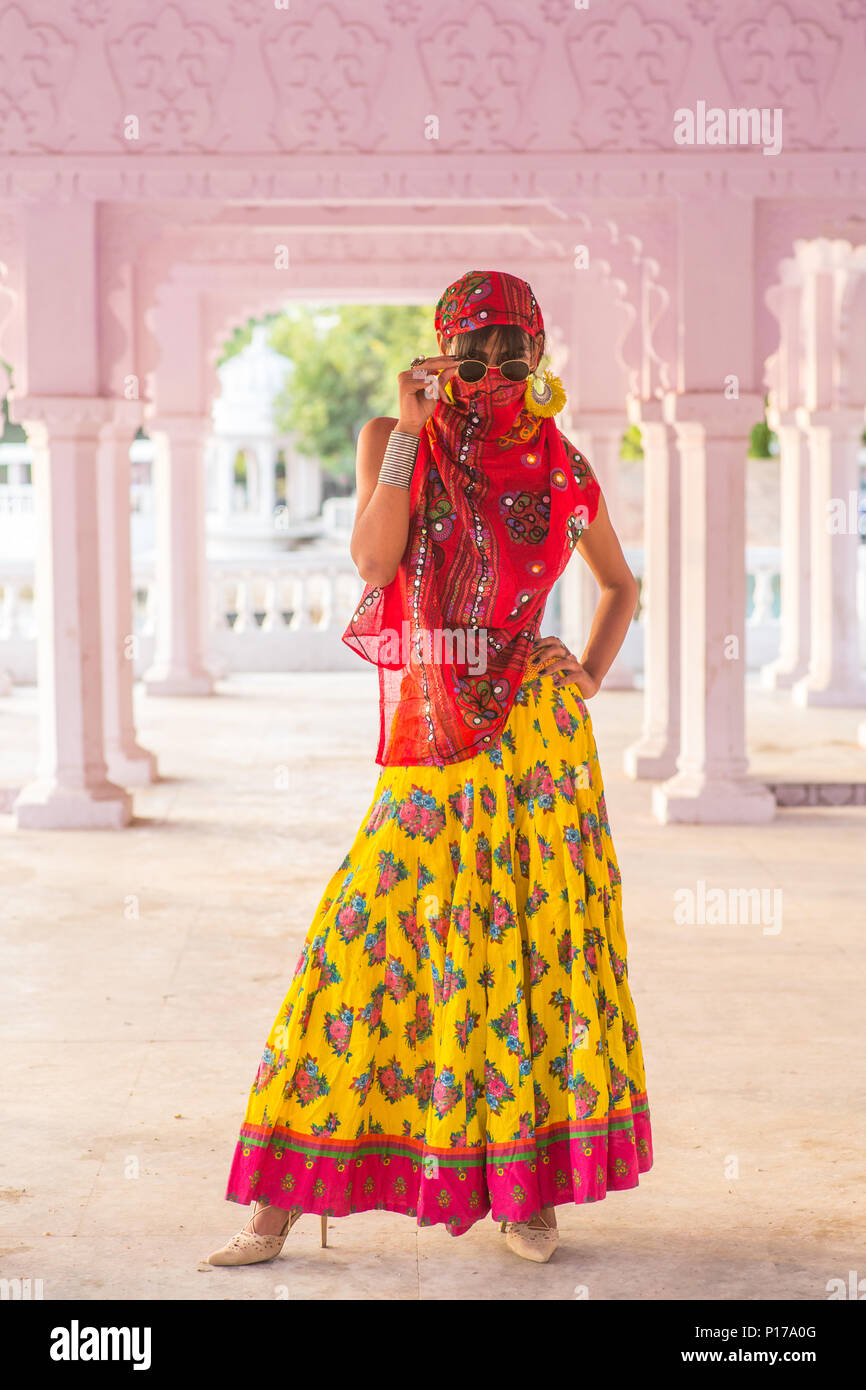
column 497, row 503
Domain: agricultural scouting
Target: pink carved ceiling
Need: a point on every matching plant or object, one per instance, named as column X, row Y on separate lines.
column 269, row 76
column 388, row 145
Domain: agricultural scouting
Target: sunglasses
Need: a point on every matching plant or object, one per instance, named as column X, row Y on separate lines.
column 472, row 369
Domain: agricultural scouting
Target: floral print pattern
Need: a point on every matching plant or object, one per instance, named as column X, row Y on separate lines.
column 459, row 1037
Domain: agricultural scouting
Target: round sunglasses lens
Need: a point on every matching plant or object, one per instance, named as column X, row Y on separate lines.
column 470, row 370
column 515, row 371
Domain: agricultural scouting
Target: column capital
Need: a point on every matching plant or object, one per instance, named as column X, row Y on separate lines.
column 782, row 419
column 602, row 423
column 186, row 429
column 48, row 418
column 712, row 414
column 644, row 410
column 841, row 422
column 124, row 419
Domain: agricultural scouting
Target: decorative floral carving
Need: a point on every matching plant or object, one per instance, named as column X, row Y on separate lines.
column 271, row 178
column 170, row 71
column 35, row 64
column 326, row 71
column 554, row 11
column 704, row 11
column 778, row 60
column 402, row 11
column 92, row 12
column 481, row 68
column 628, row 70
column 248, row 12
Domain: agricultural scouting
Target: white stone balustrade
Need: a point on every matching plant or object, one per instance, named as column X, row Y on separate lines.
column 16, row 499
column 289, row 613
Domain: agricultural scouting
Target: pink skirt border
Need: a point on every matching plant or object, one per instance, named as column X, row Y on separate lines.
column 574, row 1161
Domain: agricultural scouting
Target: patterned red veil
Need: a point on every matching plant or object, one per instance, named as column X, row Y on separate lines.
column 497, row 503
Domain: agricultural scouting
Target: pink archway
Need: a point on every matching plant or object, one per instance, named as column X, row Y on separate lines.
column 374, row 157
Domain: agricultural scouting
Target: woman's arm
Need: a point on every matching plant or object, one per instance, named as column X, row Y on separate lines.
column 602, row 551
column 382, row 516
column 381, row 527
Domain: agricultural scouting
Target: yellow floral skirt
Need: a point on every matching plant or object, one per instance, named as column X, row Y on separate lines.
column 459, row 1036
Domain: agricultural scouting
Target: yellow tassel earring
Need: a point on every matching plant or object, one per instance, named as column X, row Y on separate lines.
column 545, row 393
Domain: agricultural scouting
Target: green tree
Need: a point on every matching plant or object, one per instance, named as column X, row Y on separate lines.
column 242, row 337
column 631, row 446
column 10, row 433
column 344, row 362
column 761, row 438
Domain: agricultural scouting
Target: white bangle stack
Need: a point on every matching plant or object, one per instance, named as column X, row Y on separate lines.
column 399, row 461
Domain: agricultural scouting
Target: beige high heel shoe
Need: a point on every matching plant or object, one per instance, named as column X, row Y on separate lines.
column 248, row 1247
column 531, row 1242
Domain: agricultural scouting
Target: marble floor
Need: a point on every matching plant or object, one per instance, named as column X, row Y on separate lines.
column 142, row 970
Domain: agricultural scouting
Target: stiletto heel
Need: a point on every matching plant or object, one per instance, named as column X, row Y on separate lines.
column 324, row 1231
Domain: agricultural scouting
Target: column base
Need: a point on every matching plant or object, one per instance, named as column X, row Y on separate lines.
column 132, row 767
column 830, row 697
column 650, row 758
column 775, row 676
column 162, row 682
column 46, row 805
column 695, row 799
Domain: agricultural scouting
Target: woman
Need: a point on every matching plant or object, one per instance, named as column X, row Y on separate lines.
column 459, row 1036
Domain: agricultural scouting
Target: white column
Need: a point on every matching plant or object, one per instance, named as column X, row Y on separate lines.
column 295, row 503
column 210, row 475
column 303, row 486
column 655, row 753
column 71, row 789
column 599, row 438
column 313, row 487
column 793, row 659
column 128, row 763
column 179, row 657
column 711, row 784
column 223, row 463
column 834, row 676
column 267, row 482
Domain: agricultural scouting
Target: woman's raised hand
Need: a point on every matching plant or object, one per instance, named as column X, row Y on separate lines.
column 419, row 391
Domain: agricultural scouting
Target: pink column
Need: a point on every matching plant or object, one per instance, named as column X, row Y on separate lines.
column 128, row 764
column 793, row 659
column 834, row 676
column 712, row 412
column 787, row 380
column 654, row 754
column 711, row 783
column 71, row 789
column 599, row 437
column 181, row 578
